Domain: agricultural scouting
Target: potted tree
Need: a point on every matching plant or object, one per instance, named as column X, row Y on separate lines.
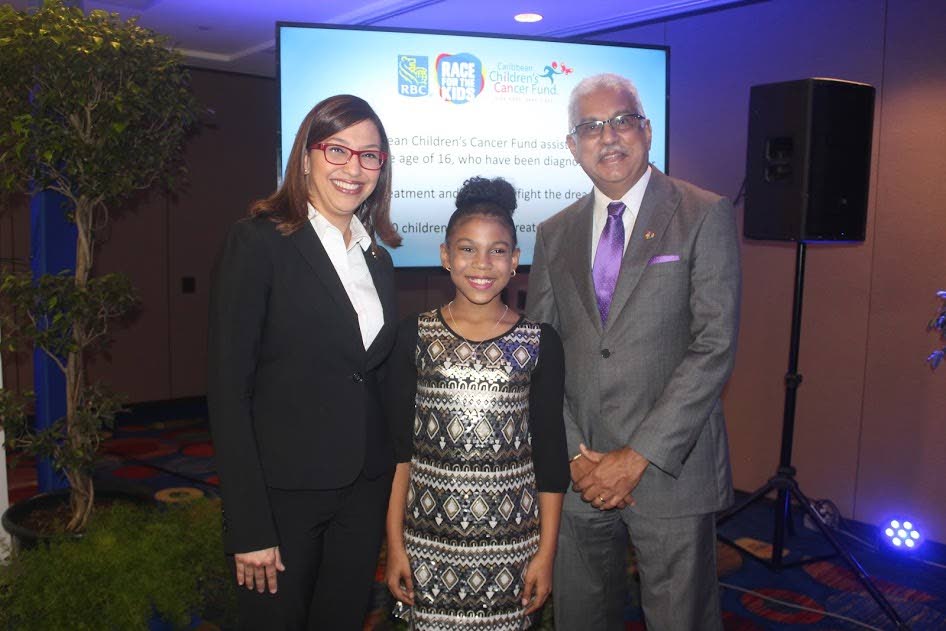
column 95, row 109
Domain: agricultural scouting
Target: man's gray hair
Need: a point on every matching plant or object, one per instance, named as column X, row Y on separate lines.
column 596, row 82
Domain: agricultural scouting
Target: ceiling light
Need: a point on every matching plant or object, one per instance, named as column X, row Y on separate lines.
column 527, row 17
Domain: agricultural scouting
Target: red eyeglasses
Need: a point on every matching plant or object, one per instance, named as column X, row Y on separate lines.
column 371, row 159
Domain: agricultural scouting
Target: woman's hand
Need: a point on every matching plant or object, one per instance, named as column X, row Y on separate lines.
column 258, row 569
column 398, row 575
column 538, row 584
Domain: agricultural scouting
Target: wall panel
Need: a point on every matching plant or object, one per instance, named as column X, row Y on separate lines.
column 903, row 446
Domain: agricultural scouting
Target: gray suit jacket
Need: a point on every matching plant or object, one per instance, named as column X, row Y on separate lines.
column 651, row 378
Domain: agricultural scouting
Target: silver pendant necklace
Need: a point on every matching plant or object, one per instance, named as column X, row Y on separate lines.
column 463, row 337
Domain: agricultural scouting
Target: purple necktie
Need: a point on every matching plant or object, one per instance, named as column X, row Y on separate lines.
column 608, row 258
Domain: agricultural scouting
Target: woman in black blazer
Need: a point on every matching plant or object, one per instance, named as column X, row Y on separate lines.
column 301, row 314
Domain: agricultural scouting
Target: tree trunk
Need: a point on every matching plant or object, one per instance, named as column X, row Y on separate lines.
column 82, row 494
column 81, row 497
column 84, row 219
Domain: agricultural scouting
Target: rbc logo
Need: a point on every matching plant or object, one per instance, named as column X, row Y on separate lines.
column 412, row 75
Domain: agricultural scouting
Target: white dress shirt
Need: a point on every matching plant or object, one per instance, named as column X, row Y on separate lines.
column 632, row 201
column 352, row 269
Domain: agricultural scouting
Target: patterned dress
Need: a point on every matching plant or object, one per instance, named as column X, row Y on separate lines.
column 479, row 456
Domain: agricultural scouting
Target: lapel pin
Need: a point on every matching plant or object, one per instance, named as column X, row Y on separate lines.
column 650, row 234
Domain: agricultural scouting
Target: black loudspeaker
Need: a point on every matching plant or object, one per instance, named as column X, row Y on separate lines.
column 808, row 164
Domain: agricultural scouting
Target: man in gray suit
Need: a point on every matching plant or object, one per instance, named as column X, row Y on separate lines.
column 641, row 279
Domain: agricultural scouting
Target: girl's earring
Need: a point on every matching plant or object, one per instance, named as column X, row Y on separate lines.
column 513, row 273
column 447, row 268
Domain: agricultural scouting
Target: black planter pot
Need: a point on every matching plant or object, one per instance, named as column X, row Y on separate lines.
column 26, row 538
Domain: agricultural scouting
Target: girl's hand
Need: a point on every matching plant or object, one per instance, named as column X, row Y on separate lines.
column 538, row 584
column 397, row 575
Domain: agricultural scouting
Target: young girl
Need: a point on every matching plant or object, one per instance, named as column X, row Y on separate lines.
column 476, row 395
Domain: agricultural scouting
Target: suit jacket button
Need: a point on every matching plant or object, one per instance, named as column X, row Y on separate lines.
column 357, row 377
column 605, row 353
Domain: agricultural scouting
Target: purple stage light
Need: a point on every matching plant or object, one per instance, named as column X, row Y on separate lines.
column 901, row 535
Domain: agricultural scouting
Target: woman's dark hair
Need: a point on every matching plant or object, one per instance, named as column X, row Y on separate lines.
column 288, row 205
column 490, row 198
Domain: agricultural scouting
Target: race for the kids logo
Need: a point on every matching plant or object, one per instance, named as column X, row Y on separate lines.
column 412, row 75
column 460, row 77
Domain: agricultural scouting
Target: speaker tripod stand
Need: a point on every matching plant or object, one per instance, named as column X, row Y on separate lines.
column 784, row 483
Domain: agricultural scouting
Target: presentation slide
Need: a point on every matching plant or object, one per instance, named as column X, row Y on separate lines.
column 456, row 106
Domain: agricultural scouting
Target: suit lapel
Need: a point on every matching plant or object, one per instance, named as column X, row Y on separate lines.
column 388, row 298
column 657, row 208
column 579, row 259
column 310, row 247
column 384, row 287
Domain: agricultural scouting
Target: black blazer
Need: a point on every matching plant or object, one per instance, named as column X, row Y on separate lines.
column 292, row 392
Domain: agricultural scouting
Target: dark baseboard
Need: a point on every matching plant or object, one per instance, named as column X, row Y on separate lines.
column 168, row 409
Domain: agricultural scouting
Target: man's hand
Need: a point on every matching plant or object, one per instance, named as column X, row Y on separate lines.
column 612, row 479
column 258, row 569
column 579, row 468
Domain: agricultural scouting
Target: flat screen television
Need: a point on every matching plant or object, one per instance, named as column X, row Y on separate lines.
column 457, row 105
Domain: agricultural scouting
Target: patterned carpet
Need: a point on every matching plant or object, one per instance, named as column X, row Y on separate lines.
column 826, row 594
column 168, row 450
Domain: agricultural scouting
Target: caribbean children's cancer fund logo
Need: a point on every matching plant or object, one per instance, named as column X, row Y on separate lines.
column 554, row 69
column 412, row 75
column 460, row 77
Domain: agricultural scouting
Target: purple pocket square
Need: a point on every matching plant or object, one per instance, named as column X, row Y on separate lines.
column 663, row 258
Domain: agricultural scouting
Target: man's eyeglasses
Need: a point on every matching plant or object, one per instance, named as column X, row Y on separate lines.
column 621, row 123
column 370, row 159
